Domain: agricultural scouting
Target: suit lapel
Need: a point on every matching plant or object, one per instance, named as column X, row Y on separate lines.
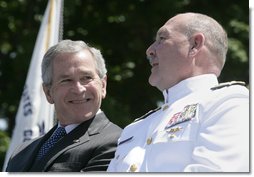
column 79, row 135
column 99, row 122
column 36, row 166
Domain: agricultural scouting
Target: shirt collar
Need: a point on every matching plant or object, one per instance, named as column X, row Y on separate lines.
column 69, row 128
column 187, row 86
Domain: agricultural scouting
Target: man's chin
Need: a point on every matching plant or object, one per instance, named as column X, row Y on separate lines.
column 152, row 81
column 155, row 84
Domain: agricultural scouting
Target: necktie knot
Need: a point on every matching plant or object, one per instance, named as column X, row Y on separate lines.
column 57, row 135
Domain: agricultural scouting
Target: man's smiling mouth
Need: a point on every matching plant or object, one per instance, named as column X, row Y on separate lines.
column 80, row 101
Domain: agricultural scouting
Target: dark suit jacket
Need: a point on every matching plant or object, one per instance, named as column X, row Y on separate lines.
column 89, row 147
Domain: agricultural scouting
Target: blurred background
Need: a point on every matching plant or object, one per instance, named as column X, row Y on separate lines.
column 122, row 30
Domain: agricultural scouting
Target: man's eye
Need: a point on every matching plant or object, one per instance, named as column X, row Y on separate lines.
column 65, row 80
column 161, row 38
column 86, row 79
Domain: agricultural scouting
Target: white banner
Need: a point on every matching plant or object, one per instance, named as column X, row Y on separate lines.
column 251, row 4
column 35, row 115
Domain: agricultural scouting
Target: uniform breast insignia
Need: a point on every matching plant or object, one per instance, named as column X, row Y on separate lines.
column 188, row 113
column 227, row 84
column 147, row 114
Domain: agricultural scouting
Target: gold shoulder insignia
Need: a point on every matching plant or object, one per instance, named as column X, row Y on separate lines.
column 147, row 114
column 228, row 84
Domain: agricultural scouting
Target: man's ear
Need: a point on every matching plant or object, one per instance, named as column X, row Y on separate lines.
column 47, row 93
column 196, row 43
column 104, row 86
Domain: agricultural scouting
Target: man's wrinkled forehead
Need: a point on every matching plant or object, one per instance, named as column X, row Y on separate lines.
column 177, row 23
column 165, row 29
column 178, row 19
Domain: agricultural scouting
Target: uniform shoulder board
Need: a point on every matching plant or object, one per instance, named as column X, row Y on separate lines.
column 228, row 84
column 147, row 114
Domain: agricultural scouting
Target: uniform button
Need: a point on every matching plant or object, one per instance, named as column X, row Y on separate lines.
column 172, row 136
column 165, row 107
column 149, row 141
column 173, row 130
column 133, row 168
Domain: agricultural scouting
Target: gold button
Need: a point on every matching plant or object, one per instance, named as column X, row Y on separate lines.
column 173, row 130
column 172, row 136
column 165, row 107
column 133, row 168
column 149, row 141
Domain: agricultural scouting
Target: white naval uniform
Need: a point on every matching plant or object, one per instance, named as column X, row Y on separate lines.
column 198, row 129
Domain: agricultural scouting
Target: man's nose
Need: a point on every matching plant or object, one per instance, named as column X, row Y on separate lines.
column 78, row 87
column 150, row 52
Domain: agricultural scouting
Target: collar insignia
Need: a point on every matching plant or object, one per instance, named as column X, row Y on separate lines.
column 228, row 84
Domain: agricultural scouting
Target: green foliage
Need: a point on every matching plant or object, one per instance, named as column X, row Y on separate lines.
column 4, row 144
column 122, row 30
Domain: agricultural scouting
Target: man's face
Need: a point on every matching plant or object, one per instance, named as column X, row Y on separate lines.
column 169, row 55
column 76, row 90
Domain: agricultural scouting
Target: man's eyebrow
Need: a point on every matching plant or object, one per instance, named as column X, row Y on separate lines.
column 159, row 32
column 162, row 31
column 62, row 77
column 86, row 72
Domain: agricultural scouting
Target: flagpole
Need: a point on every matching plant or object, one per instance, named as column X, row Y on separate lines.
column 50, row 19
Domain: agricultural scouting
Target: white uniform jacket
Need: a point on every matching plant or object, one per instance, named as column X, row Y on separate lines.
column 202, row 127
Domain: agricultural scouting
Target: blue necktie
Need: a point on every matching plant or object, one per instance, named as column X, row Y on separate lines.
column 58, row 134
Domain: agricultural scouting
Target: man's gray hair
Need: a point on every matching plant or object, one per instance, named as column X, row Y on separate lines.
column 69, row 46
column 216, row 36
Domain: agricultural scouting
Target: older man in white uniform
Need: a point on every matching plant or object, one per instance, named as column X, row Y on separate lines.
column 203, row 126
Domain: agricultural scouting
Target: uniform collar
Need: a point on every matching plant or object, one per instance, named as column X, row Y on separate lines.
column 190, row 85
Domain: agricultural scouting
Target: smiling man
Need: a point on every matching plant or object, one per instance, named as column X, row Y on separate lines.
column 74, row 80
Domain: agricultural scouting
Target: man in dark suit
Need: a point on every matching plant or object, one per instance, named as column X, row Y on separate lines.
column 74, row 80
